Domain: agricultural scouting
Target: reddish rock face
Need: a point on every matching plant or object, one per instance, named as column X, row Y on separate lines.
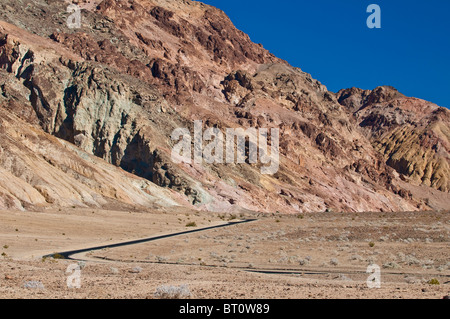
column 410, row 133
column 137, row 70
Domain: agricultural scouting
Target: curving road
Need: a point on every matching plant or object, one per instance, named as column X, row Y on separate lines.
column 68, row 254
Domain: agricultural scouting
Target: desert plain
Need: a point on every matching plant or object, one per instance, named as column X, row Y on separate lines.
column 270, row 256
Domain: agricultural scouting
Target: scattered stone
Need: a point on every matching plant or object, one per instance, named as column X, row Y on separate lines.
column 136, row 270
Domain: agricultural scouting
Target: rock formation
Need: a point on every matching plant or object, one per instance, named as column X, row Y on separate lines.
column 87, row 117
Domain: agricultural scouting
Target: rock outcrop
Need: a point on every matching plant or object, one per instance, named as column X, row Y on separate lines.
column 412, row 134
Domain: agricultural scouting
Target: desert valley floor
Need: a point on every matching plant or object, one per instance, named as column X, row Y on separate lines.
column 322, row 255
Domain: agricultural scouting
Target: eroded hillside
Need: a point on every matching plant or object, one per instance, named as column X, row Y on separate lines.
column 136, row 70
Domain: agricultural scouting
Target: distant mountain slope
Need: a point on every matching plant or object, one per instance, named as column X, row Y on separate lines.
column 137, row 70
column 412, row 134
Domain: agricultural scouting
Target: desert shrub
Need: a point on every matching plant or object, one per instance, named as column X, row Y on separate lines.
column 372, row 244
column 161, row 259
column 412, row 260
column 434, row 281
column 304, row 262
column 334, row 262
column 192, row 224
column 33, row 285
column 391, row 265
column 173, row 292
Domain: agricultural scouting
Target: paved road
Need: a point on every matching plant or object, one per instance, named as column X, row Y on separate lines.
column 68, row 254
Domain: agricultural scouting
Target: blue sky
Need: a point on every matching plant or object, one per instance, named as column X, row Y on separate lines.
column 330, row 40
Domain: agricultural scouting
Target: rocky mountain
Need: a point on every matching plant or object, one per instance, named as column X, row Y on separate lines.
column 88, row 115
column 413, row 135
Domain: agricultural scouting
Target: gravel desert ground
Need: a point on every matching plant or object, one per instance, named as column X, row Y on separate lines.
column 322, row 255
